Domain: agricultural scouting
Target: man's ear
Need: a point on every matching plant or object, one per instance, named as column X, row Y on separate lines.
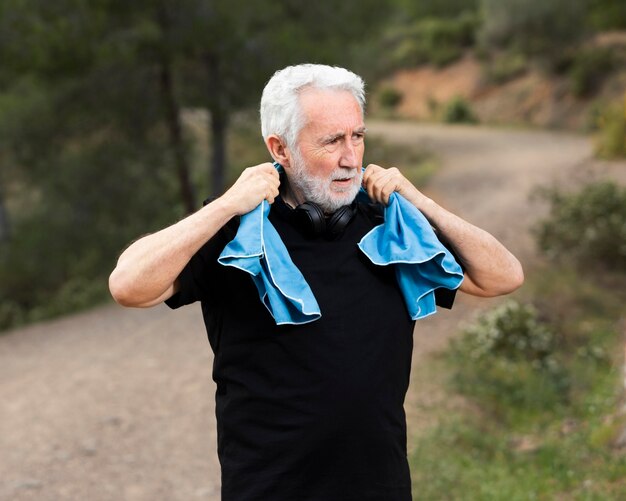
column 278, row 150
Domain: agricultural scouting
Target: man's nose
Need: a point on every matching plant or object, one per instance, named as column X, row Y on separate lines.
column 350, row 155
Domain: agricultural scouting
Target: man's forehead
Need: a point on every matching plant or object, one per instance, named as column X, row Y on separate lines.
column 331, row 111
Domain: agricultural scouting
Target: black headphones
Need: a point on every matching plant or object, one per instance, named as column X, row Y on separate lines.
column 311, row 219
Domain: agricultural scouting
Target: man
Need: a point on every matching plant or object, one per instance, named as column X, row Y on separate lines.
column 311, row 411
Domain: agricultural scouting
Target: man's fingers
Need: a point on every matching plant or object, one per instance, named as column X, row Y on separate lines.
column 381, row 183
column 257, row 183
column 387, row 189
column 271, row 194
column 370, row 170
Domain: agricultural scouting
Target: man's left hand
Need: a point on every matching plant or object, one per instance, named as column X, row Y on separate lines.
column 380, row 183
column 490, row 269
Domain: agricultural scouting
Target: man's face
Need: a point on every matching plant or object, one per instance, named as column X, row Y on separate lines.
column 328, row 156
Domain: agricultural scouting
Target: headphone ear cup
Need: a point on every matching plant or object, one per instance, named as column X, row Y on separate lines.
column 340, row 220
column 310, row 218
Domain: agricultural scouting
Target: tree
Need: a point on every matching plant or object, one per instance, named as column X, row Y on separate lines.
column 91, row 97
column 418, row 9
column 236, row 46
column 537, row 28
column 608, row 14
column 5, row 229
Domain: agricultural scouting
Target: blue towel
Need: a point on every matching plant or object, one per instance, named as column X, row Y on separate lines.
column 405, row 239
column 258, row 250
column 422, row 263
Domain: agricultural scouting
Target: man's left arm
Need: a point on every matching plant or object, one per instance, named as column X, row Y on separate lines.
column 490, row 268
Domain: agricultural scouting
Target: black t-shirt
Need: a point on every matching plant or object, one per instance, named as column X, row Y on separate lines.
column 312, row 411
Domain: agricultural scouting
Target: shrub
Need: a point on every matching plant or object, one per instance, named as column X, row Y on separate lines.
column 606, row 15
column 438, row 41
column 537, row 28
column 589, row 68
column 458, row 110
column 507, row 358
column 586, row 228
column 11, row 315
column 511, row 331
column 611, row 139
column 505, row 67
column 595, row 112
column 389, row 97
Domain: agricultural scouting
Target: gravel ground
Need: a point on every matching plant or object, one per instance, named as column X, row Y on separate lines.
column 116, row 404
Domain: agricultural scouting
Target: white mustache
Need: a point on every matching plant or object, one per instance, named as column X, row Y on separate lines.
column 347, row 174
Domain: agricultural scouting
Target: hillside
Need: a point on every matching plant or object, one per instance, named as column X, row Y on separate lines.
column 528, row 96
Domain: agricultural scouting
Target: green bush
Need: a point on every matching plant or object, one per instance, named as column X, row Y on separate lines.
column 594, row 115
column 505, row 67
column 589, row 69
column 587, row 228
column 508, row 359
column 438, row 41
column 611, row 139
column 512, row 331
column 607, row 15
column 389, row 97
column 457, row 110
column 65, row 244
column 445, row 9
column 537, row 28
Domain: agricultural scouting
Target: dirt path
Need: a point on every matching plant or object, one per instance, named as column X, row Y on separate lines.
column 117, row 404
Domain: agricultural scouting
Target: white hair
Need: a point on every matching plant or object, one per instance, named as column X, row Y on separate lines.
column 281, row 113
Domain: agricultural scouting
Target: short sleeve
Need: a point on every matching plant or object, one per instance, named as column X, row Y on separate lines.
column 444, row 298
column 198, row 277
column 192, row 282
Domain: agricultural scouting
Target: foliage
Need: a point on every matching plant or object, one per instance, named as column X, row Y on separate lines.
column 589, row 69
column 505, row 66
column 587, row 228
column 611, row 139
column 458, row 110
column 511, row 331
column 479, row 456
column 438, row 41
column 93, row 149
column 595, row 112
column 607, row 15
column 389, row 97
column 535, row 28
column 507, row 358
column 444, row 9
column 556, row 446
column 544, row 412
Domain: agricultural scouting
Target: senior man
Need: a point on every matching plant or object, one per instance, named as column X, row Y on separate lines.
column 312, row 410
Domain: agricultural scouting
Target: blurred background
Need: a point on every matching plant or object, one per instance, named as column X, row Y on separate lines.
column 119, row 118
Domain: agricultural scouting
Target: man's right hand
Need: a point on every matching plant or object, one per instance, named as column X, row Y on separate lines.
column 255, row 184
column 146, row 271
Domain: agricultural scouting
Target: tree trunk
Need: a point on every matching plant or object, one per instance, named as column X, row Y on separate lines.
column 219, row 125
column 174, row 125
column 5, row 232
column 218, row 111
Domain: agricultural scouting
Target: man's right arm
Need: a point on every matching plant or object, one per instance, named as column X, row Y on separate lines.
column 147, row 270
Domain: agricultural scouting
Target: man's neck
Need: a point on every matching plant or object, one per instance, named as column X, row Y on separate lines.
column 290, row 194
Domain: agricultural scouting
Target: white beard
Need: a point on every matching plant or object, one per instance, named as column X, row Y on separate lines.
column 320, row 191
